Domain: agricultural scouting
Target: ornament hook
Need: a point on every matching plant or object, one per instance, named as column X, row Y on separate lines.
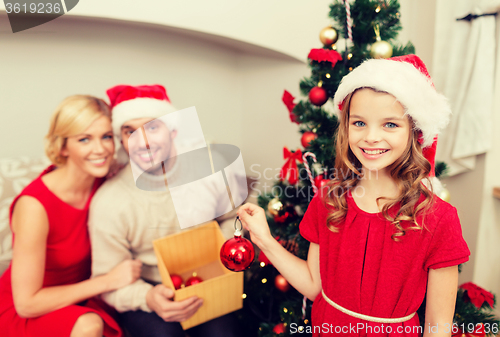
column 237, row 232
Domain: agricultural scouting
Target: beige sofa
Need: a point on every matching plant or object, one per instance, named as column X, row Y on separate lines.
column 15, row 174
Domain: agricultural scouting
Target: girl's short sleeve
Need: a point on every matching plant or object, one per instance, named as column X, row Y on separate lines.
column 448, row 247
column 309, row 224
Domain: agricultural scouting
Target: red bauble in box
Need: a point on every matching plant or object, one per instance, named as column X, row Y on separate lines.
column 237, row 254
column 307, row 138
column 318, row 96
column 177, row 281
column 193, row 280
column 279, row 328
column 281, row 284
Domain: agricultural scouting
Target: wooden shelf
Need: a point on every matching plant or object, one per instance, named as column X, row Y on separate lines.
column 496, row 192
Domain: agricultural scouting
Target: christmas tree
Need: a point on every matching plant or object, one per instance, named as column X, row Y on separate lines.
column 369, row 28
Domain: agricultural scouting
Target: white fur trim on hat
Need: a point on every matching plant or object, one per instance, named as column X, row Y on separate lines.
column 414, row 90
column 141, row 107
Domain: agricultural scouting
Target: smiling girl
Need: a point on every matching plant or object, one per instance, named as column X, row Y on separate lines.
column 381, row 241
column 46, row 291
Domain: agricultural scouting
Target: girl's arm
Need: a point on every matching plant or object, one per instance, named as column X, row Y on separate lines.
column 302, row 275
column 30, row 227
column 441, row 296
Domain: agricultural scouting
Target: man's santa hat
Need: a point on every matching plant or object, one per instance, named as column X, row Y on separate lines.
column 134, row 102
column 407, row 79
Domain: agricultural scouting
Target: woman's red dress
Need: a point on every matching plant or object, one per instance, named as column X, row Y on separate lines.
column 364, row 270
column 67, row 261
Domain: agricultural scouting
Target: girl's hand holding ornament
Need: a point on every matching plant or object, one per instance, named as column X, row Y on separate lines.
column 254, row 220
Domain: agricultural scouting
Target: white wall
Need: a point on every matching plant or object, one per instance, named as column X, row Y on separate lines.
column 287, row 26
column 236, row 90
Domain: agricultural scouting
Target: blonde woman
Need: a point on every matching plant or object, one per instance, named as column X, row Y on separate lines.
column 46, row 291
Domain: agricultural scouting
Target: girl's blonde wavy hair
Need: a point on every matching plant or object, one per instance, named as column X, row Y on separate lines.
column 72, row 117
column 408, row 171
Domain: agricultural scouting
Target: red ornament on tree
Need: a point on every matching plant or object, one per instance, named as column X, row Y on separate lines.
column 318, row 96
column 287, row 214
column 193, row 280
column 237, row 254
column 281, row 284
column 279, row 328
column 307, row 138
column 319, row 181
column 177, row 281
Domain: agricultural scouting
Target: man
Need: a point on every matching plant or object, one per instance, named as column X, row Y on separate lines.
column 134, row 208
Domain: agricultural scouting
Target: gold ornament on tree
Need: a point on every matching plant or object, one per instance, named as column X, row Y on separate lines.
column 380, row 49
column 328, row 36
column 274, row 206
column 445, row 195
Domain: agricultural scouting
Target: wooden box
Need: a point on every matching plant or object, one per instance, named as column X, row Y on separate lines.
column 198, row 250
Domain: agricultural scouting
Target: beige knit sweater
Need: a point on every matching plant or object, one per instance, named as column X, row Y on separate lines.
column 123, row 222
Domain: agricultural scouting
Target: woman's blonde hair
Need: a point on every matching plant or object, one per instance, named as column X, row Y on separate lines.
column 408, row 172
column 73, row 116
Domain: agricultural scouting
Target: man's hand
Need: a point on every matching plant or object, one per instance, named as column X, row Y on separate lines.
column 159, row 299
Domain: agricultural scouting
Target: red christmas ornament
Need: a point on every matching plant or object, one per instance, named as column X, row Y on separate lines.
column 307, row 138
column 237, row 254
column 193, row 280
column 285, row 215
column 319, row 181
column 282, row 218
column 177, row 281
column 279, row 328
column 281, row 284
column 318, row 96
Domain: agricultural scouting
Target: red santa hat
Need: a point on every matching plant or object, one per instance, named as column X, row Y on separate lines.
column 133, row 102
column 407, row 79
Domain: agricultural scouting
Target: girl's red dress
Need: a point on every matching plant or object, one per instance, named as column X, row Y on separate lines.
column 67, row 261
column 364, row 270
